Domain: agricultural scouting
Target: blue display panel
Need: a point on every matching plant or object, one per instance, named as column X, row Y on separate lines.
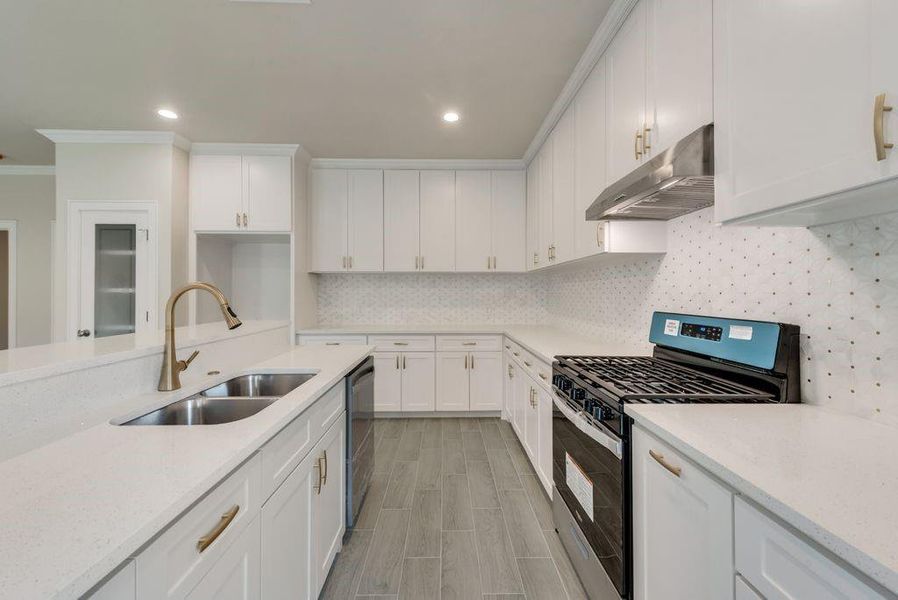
column 747, row 342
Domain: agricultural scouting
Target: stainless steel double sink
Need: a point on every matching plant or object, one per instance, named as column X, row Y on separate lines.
column 232, row 400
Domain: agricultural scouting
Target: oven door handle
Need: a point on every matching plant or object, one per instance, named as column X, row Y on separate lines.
column 588, row 429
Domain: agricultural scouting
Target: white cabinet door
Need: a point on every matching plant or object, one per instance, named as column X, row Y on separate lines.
column 508, row 392
column 794, row 90
column 563, row 187
column 366, row 220
column 216, row 192
column 544, row 455
column 531, row 421
column 387, row 382
column 418, row 381
column 625, row 63
column 546, row 230
column 452, row 381
column 288, row 524
column 782, row 566
column 401, row 224
column 679, row 98
column 472, row 235
column 328, row 219
column 438, row 220
column 679, row 511
column 508, row 221
column 521, row 403
column 330, row 513
column 268, row 193
column 237, row 574
column 533, row 247
column 589, row 158
column 486, row 380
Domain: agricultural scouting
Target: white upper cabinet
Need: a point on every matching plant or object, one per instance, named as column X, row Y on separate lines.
column 401, row 221
column 563, row 188
column 268, row 193
column 533, row 247
column 347, row 227
column 589, row 158
column 472, row 235
column 366, row 225
column 328, row 218
column 508, row 221
column 795, row 88
column 216, row 192
column 241, row 193
column 437, row 220
column 544, row 202
column 625, row 63
column 679, row 71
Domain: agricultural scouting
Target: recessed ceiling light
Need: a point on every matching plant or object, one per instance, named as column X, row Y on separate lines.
column 450, row 117
column 167, row 114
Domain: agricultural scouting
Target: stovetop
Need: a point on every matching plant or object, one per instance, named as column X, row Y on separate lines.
column 644, row 379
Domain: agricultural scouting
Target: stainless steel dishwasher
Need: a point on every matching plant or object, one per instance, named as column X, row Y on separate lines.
column 359, row 437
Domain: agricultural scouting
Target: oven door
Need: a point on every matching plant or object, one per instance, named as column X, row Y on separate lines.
column 589, row 474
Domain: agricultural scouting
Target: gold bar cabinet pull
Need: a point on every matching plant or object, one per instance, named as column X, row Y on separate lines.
column 206, row 541
column 879, row 109
column 636, row 144
column 663, row 462
column 324, row 477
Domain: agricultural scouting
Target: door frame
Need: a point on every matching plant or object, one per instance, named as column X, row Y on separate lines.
column 73, row 256
column 10, row 227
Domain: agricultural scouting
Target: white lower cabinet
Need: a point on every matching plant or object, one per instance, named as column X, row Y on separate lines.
column 329, row 502
column 237, row 574
column 782, row 566
column 403, row 381
column 682, row 526
column 531, row 421
column 468, row 381
column 544, row 454
column 486, row 381
column 121, row 586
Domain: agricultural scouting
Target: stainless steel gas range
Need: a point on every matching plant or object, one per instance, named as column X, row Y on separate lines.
column 695, row 359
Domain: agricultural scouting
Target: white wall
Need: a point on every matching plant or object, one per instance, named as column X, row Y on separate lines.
column 305, row 283
column 113, row 173
column 29, row 200
column 179, row 225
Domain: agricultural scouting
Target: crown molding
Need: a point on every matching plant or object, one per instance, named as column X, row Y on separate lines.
column 418, row 163
column 240, row 148
column 27, row 170
column 600, row 41
column 108, row 136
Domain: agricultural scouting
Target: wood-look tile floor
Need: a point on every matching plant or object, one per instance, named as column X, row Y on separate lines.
column 454, row 511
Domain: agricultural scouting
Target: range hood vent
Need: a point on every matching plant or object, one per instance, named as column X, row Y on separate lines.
column 676, row 182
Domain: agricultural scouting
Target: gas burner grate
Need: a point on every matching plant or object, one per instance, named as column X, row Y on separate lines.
column 643, row 379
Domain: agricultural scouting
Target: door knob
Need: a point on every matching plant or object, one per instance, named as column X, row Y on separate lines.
column 84, row 333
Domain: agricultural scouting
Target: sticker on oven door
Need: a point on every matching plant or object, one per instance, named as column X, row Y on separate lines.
column 671, row 327
column 579, row 484
column 740, row 332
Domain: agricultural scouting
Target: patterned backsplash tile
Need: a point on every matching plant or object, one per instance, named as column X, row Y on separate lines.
column 838, row 282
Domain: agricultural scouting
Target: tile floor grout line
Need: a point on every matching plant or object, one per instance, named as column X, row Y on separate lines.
column 471, row 499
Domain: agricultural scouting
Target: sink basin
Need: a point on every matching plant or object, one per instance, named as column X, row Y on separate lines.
column 259, row 385
column 235, row 399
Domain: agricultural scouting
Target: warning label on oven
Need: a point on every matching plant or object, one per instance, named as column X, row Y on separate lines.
column 579, row 484
column 671, row 327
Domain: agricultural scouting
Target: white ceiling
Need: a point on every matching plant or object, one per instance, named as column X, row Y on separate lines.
column 344, row 78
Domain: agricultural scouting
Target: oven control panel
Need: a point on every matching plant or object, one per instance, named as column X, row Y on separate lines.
column 702, row 332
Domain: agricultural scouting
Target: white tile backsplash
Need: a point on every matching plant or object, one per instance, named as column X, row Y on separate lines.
column 838, row 282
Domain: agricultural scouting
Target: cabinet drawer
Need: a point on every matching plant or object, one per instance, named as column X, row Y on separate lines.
column 402, row 343
column 332, row 340
column 328, row 409
column 286, row 450
column 471, row 343
column 781, row 566
column 173, row 564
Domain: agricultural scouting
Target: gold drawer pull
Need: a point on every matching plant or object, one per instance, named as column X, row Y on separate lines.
column 469, row 343
column 527, row 363
column 515, row 353
column 508, row 347
column 544, row 377
column 332, row 343
column 663, row 462
column 400, row 343
column 879, row 109
column 206, row 541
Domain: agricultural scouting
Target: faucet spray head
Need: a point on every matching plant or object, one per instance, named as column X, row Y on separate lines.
column 230, row 317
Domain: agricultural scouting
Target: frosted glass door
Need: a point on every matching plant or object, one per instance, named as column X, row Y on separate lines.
column 115, row 273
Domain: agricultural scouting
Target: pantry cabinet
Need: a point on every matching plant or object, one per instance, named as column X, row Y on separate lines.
column 241, row 193
column 796, row 88
column 678, row 511
column 346, row 219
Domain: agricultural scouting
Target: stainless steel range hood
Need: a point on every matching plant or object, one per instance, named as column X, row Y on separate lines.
column 680, row 180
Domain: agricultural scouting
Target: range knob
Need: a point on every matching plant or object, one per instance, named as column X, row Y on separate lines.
column 578, row 394
column 604, row 413
column 562, row 383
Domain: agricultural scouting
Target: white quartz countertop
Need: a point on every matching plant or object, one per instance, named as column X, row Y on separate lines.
column 545, row 341
column 832, row 476
column 73, row 510
column 34, row 362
